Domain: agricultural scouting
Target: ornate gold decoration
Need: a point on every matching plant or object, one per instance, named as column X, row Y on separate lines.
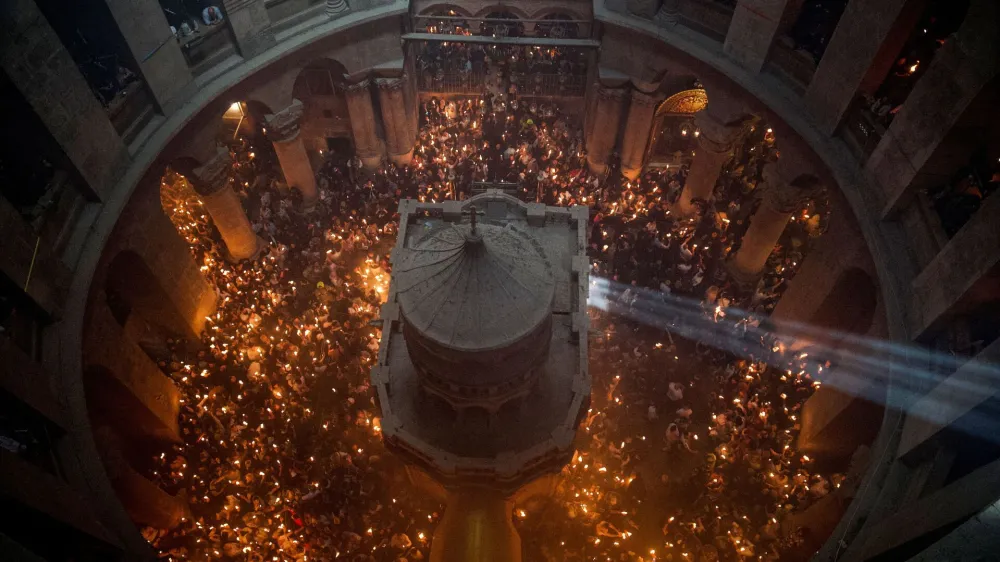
column 687, row 101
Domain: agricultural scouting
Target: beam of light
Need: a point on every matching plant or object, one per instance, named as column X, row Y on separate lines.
column 857, row 365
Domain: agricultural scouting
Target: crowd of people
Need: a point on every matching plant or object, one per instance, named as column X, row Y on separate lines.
column 526, row 70
column 688, row 452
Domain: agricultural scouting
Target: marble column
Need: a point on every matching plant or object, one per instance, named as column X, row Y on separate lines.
column 604, row 134
column 283, row 129
column 213, row 185
column 396, row 119
column 251, row 26
column 637, row 127
column 716, row 138
column 367, row 145
column 787, row 188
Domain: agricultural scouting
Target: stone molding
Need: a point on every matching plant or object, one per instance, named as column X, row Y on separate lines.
column 232, row 6
column 285, row 125
column 337, row 8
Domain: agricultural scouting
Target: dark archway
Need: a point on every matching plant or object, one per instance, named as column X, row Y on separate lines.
column 131, row 288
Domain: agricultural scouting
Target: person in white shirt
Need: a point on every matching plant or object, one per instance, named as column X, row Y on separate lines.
column 211, row 15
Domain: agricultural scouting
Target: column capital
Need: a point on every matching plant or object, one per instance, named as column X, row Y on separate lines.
column 715, row 135
column 359, row 86
column 284, row 125
column 788, row 184
column 645, row 100
column 616, row 95
column 391, row 84
column 213, row 175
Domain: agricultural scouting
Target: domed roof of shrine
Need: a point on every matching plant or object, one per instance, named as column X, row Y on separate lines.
column 470, row 287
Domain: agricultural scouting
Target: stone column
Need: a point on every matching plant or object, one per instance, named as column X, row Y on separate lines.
column 396, row 119
column 366, row 142
column 162, row 65
column 788, row 185
column 212, row 183
column 283, row 129
column 251, row 26
column 921, row 147
column 40, row 67
column 637, row 128
column 604, row 133
column 715, row 144
column 755, row 26
column 476, row 525
column 861, row 51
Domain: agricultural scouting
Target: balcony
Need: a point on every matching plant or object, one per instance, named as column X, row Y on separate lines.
column 862, row 130
column 795, row 67
column 207, row 47
column 708, row 17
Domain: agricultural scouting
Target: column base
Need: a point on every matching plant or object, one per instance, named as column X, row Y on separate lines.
column 632, row 173
column 743, row 279
column 261, row 244
column 598, row 168
column 371, row 163
column 401, row 159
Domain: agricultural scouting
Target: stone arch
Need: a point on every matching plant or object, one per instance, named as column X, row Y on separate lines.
column 131, row 287
column 111, row 403
column 555, row 15
column 519, row 13
column 320, row 87
column 673, row 128
column 444, row 9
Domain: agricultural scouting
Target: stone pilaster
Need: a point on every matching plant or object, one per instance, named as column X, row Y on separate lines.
column 161, row 64
column 283, row 129
column 366, row 142
column 754, row 28
column 715, row 144
column 41, row 68
column 861, row 51
column 251, row 26
column 637, row 128
column 922, row 143
column 788, row 186
column 604, row 134
column 214, row 185
column 395, row 117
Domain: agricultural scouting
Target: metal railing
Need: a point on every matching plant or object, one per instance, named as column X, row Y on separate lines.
column 549, row 85
column 862, row 131
column 528, row 85
column 464, row 83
